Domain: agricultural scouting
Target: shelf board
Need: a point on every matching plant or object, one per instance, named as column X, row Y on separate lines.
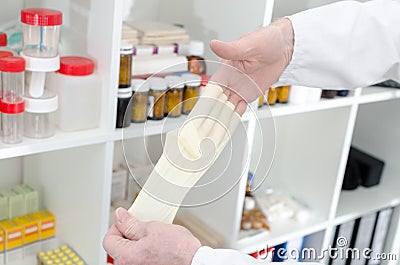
column 377, row 94
column 60, row 140
column 356, row 203
column 290, row 109
column 252, row 241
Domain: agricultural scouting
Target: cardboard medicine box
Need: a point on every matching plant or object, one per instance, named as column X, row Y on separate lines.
column 30, row 229
column 12, row 234
column 47, row 223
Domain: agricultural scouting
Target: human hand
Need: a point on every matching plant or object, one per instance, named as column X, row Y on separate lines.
column 262, row 55
column 132, row 242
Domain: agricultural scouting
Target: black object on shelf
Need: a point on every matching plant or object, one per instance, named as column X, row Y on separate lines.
column 362, row 169
column 389, row 83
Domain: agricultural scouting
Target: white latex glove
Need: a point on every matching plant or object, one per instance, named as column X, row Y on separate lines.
column 262, row 55
column 131, row 242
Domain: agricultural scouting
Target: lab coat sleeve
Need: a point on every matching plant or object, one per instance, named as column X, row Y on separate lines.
column 209, row 256
column 345, row 44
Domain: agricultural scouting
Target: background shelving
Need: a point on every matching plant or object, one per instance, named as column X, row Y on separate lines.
column 73, row 170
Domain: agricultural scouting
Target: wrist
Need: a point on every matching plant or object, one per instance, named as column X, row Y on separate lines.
column 286, row 28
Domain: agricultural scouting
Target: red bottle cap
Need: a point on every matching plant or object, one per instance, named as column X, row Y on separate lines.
column 12, row 108
column 41, row 17
column 76, row 66
column 13, row 64
column 3, row 39
column 5, row 54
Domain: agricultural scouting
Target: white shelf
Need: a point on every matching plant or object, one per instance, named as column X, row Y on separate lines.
column 60, row 140
column 376, row 94
column 356, row 203
column 252, row 241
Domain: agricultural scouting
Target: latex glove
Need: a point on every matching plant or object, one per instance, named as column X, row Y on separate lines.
column 131, row 242
column 262, row 55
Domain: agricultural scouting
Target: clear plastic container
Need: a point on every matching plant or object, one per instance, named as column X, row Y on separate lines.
column 79, row 93
column 40, row 31
column 191, row 92
column 158, row 89
column 174, row 96
column 12, row 122
column 140, row 88
column 12, row 70
column 39, row 117
column 3, row 43
column 35, row 73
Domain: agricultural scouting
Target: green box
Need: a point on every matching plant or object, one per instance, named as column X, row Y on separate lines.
column 16, row 203
column 4, row 209
column 31, row 197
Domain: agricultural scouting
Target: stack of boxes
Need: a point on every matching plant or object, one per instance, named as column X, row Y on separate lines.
column 24, row 230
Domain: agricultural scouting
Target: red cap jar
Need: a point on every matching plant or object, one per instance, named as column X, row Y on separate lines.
column 12, row 70
column 40, row 32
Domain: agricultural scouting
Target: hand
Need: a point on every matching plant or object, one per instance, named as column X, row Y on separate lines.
column 131, row 242
column 262, row 55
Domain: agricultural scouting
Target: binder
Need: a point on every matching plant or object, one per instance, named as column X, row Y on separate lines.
column 342, row 241
column 380, row 233
column 364, row 230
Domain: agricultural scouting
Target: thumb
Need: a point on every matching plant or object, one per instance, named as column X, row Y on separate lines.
column 128, row 225
column 235, row 50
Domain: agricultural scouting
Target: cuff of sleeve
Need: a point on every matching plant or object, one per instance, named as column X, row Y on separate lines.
column 298, row 56
column 201, row 256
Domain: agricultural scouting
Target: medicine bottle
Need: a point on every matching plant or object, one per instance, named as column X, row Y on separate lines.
column 196, row 63
column 124, row 107
column 157, row 94
column 40, row 31
column 261, row 101
column 283, row 94
column 39, row 116
column 140, row 89
column 342, row 93
column 272, row 96
column 174, row 96
column 3, row 43
column 191, row 92
column 328, row 93
column 12, row 103
column 125, row 65
column 79, row 93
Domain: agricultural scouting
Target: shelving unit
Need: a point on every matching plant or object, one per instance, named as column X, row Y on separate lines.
column 73, row 170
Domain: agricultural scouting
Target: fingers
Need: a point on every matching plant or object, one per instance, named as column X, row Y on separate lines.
column 235, row 50
column 116, row 245
column 129, row 226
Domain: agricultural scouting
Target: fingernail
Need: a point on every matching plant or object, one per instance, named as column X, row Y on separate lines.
column 122, row 215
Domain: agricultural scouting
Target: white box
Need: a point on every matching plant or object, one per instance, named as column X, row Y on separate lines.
column 118, row 184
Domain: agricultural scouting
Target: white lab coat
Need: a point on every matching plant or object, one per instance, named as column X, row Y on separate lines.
column 345, row 44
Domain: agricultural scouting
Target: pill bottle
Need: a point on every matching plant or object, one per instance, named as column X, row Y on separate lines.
column 342, row 93
column 125, row 65
column 12, row 121
column 191, row 92
column 157, row 93
column 272, row 96
column 176, row 85
column 260, row 101
column 79, row 93
column 12, row 70
column 40, row 31
column 3, row 43
column 140, row 89
column 124, row 107
column 283, row 94
column 328, row 93
column 39, row 116
column 196, row 63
